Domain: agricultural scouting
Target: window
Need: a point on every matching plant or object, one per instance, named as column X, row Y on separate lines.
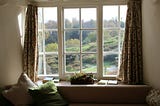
column 48, row 41
column 80, row 38
column 113, row 32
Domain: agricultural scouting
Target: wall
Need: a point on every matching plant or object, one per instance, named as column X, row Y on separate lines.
column 151, row 41
column 11, row 54
column 10, row 47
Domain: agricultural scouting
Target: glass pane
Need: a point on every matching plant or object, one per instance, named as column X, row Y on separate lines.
column 110, row 64
column 123, row 12
column 50, row 17
column 110, row 16
column 51, row 64
column 72, row 63
column 72, row 41
column 40, row 22
column 71, row 18
column 40, row 65
column 89, row 64
column 51, row 41
column 89, row 41
column 40, row 41
column 88, row 16
column 121, row 38
column 110, row 42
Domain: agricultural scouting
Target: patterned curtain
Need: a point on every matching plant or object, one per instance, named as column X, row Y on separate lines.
column 30, row 53
column 131, row 68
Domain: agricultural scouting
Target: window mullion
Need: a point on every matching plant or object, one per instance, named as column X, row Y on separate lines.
column 119, row 35
column 60, row 42
column 80, row 20
column 100, row 42
column 43, row 36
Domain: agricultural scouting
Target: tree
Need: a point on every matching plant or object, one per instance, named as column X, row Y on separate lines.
column 52, row 47
column 51, row 24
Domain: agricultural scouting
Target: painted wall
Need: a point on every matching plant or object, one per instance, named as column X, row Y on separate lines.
column 10, row 45
column 151, row 41
column 11, row 53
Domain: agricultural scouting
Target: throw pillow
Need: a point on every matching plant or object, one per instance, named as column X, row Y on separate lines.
column 46, row 88
column 153, row 98
column 47, row 95
column 18, row 94
column 25, row 80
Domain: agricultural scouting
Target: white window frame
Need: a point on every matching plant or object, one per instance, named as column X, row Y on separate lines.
column 60, row 4
column 80, row 29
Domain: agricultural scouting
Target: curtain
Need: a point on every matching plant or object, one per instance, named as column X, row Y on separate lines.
column 131, row 67
column 30, row 53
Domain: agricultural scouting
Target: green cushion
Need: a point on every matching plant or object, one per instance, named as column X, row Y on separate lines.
column 4, row 101
column 47, row 95
column 47, row 88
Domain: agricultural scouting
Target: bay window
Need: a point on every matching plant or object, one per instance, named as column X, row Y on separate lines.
column 85, row 38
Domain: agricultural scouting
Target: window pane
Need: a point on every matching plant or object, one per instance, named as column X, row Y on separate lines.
column 113, row 34
column 40, row 41
column 110, row 16
column 40, row 21
column 110, row 64
column 48, row 40
column 50, row 17
column 72, row 41
column 110, row 40
column 51, row 64
column 40, row 65
column 71, row 18
column 89, row 41
column 123, row 12
column 72, row 63
column 121, row 39
column 88, row 16
column 51, row 41
column 89, row 63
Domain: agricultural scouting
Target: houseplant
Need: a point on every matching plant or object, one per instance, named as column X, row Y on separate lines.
column 82, row 78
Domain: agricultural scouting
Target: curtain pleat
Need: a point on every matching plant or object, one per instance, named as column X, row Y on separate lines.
column 131, row 67
column 30, row 53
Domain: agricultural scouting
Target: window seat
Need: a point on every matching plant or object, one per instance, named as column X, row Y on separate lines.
column 104, row 95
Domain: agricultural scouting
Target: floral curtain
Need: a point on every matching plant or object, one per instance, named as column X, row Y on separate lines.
column 131, row 68
column 30, row 53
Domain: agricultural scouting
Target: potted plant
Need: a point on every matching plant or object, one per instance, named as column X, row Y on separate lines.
column 82, row 78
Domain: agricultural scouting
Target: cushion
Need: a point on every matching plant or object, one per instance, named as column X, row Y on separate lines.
column 46, row 88
column 18, row 94
column 25, row 80
column 153, row 98
column 47, row 95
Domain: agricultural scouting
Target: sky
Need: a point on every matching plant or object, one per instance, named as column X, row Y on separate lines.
column 86, row 15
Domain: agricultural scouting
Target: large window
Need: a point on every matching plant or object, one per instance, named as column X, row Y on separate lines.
column 113, row 33
column 48, row 41
column 80, row 39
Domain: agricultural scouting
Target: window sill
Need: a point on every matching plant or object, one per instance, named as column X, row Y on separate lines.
column 68, row 84
column 94, row 93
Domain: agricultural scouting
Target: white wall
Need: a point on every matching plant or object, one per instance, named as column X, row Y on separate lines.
column 10, row 45
column 151, row 41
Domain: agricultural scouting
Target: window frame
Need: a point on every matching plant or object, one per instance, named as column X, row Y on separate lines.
column 80, row 29
column 98, row 4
